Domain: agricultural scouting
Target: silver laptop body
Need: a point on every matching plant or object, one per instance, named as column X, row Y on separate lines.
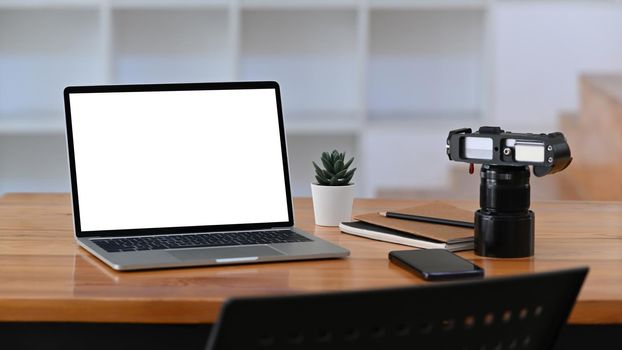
column 154, row 167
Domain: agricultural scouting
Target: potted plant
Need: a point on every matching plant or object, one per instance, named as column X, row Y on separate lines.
column 333, row 193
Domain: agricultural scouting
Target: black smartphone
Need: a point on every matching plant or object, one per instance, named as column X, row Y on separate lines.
column 435, row 264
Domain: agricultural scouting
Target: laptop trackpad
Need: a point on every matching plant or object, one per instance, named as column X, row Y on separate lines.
column 227, row 254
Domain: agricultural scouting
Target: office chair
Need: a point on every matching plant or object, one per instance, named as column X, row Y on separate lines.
column 521, row 312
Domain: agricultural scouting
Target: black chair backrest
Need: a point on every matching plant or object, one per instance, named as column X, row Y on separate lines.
column 520, row 312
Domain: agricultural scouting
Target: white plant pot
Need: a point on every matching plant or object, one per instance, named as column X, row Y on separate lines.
column 332, row 204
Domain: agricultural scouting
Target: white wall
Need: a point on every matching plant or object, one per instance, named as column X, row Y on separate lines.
column 406, row 158
column 36, row 163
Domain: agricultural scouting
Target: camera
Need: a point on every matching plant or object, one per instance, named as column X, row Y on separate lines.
column 504, row 225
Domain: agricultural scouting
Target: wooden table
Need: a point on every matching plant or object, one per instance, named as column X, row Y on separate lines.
column 45, row 276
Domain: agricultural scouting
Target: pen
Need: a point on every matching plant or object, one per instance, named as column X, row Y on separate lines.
column 427, row 219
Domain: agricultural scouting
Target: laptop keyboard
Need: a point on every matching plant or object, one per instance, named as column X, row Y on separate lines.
column 132, row 244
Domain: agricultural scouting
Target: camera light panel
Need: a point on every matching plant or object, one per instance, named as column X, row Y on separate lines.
column 528, row 151
column 492, row 146
column 478, row 148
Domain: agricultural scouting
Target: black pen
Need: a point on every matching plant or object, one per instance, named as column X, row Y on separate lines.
column 427, row 219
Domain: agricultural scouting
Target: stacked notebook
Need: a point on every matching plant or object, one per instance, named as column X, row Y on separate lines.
column 416, row 233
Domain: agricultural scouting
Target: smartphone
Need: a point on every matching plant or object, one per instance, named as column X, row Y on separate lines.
column 435, row 264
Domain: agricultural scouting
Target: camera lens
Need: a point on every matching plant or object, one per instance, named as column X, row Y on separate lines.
column 504, row 189
column 504, row 226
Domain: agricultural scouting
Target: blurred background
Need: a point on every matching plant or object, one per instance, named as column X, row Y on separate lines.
column 384, row 80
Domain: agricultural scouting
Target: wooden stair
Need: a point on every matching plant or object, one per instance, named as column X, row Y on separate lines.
column 595, row 138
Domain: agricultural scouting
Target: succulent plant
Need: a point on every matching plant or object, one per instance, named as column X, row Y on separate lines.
column 335, row 172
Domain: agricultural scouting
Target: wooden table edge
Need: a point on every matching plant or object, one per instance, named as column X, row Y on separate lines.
column 185, row 312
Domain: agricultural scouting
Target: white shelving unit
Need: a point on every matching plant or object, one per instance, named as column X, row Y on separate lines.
column 170, row 45
column 41, row 51
column 362, row 76
column 318, row 74
column 420, row 75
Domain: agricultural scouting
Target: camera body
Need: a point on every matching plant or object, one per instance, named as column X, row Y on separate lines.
column 504, row 225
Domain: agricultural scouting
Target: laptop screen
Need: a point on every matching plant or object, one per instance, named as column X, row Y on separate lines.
column 177, row 158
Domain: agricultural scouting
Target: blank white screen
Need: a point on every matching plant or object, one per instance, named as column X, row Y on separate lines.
column 178, row 158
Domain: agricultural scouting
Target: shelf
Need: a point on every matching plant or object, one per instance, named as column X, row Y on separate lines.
column 312, row 54
column 32, row 123
column 427, row 4
column 171, row 45
column 298, row 4
column 48, row 4
column 322, row 123
column 38, row 61
column 412, row 120
column 438, row 67
column 364, row 76
column 168, row 4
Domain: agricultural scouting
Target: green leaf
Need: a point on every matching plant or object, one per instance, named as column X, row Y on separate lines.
column 338, row 165
column 334, row 156
column 335, row 170
column 318, row 170
column 348, row 176
column 326, row 157
column 351, row 172
column 340, row 174
column 328, row 165
column 322, row 181
column 317, row 167
column 347, row 179
column 343, row 182
column 349, row 163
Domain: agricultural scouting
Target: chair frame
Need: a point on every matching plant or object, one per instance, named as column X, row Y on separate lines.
column 516, row 312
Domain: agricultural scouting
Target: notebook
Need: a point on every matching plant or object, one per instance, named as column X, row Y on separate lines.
column 415, row 233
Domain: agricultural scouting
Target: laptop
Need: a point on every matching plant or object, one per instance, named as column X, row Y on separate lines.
column 173, row 175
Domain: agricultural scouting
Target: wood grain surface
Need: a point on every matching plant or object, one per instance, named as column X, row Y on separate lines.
column 45, row 276
column 594, row 138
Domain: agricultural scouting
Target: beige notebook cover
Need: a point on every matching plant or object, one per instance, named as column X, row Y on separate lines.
column 441, row 233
